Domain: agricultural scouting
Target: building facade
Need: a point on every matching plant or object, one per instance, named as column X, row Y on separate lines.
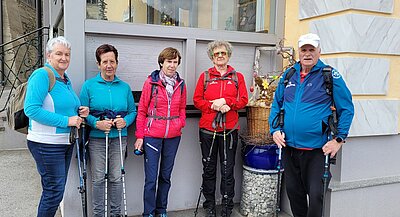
column 360, row 40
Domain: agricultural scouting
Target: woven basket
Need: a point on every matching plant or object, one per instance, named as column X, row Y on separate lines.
column 257, row 122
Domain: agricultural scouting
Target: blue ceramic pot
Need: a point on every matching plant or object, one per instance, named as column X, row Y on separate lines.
column 261, row 156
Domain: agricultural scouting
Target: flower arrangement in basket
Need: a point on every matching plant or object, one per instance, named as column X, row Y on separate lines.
column 263, row 89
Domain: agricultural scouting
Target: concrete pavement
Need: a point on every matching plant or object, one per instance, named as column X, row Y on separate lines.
column 20, row 187
column 201, row 213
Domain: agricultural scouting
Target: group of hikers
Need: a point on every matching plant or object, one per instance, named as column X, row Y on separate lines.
column 106, row 106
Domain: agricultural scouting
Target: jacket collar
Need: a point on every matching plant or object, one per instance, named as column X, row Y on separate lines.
column 155, row 76
column 57, row 76
column 317, row 67
column 215, row 72
column 100, row 79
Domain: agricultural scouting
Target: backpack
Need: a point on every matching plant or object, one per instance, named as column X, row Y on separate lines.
column 154, row 91
column 207, row 79
column 327, row 74
column 16, row 118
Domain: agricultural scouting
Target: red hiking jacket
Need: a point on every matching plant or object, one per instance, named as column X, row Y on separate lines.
column 236, row 98
column 167, row 119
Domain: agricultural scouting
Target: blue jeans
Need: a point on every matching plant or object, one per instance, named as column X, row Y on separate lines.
column 97, row 153
column 155, row 202
column 52, row 162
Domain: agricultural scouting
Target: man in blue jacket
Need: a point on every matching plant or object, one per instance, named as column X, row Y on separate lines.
column 305, row 134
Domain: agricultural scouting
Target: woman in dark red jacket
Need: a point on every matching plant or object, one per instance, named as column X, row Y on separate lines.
column 219, row 94
column 161, row 117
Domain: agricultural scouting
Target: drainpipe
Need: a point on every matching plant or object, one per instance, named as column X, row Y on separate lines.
column 39, row 24
column 1, row 42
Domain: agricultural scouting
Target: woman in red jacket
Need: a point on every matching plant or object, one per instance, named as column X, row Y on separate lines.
column 219, row 94
column 161, row 117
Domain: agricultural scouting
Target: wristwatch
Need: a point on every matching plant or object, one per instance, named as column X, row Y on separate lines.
column 339, row 140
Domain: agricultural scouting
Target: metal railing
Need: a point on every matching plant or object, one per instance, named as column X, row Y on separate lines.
column 18, row 59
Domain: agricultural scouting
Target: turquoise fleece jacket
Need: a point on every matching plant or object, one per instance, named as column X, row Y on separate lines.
column 48, row 112
column 115, row 95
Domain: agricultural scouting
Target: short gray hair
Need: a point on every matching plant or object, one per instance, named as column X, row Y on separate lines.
column 57, row 40
column 214, row 44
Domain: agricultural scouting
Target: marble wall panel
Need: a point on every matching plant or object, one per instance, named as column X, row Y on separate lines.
column 375, row 117
column 363, row 76
column 358, row 33
column 312, row 8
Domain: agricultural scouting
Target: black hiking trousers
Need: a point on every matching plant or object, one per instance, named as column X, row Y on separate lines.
column 210, row 167
column 303, row 175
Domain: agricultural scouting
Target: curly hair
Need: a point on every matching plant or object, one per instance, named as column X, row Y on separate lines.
column 217, row 43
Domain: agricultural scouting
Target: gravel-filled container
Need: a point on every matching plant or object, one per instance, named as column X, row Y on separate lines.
column 259, row 190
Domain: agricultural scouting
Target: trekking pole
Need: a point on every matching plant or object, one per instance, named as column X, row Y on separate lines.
column 325, row 182
column 84, row 172
column 225, row 163
column 278, row 187
column 122, row 169
column 106, row 175
column 81, row 185
column 207, row 162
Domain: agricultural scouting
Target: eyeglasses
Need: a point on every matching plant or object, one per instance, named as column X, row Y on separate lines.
column 222, row 53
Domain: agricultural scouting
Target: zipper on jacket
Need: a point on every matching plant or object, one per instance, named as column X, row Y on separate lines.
column 168, row 115
column 297, row 95
column 169, row 108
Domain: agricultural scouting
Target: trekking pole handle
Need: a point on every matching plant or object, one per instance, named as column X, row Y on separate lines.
column 281, row 117
column 76, row 133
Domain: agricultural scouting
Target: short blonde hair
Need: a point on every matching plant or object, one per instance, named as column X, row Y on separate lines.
column 217, row 43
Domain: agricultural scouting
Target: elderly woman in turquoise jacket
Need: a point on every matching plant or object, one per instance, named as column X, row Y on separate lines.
column 112, row 107
column 51, row 114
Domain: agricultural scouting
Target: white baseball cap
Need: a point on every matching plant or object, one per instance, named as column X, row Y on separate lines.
column 310, row 38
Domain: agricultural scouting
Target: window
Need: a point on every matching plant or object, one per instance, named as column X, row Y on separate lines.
column 231, row 15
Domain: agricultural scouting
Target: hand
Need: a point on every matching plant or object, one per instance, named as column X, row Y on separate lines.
column 279, row 138
column 332, row 147
column 104, row 125
column 83, row 111
column 119, row 123
column 224, row 109
column 217, row 103
column 138, row 144
column 74, row 121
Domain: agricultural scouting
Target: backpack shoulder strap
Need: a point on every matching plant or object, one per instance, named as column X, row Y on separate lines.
column 327, row 73
column 206, row 79
column 52, row 78
column 289, row 75
column 235, row 79
column 182, row 85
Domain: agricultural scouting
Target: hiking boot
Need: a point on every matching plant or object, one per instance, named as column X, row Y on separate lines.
column 226, row 213
column 210, row 212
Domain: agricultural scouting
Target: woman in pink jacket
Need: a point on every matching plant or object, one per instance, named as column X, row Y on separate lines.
column 161, row 117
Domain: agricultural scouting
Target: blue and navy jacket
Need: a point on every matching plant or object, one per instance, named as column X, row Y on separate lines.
column 101, row 95
column 307, row 107
column 48, row 112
